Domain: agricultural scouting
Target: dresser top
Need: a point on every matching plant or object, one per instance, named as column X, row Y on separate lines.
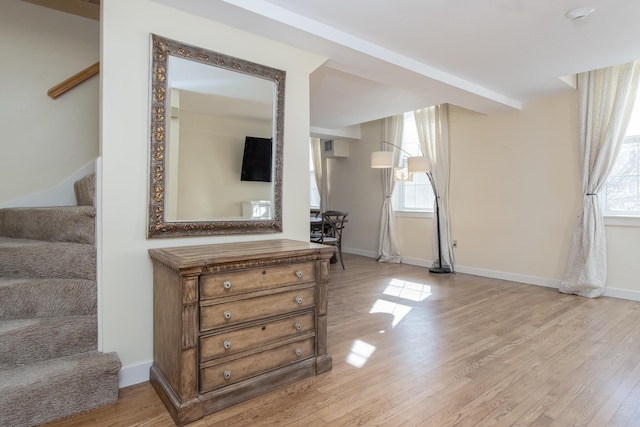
column 182, row 257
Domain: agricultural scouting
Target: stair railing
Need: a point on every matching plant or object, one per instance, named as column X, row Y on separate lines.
column 74, row 80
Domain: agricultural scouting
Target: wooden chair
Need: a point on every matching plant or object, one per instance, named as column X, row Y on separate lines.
column 314, row 215
column 331, row 231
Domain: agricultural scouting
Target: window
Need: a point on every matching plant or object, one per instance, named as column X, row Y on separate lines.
column 314, row 199
column 416, row 195
column 621, row 193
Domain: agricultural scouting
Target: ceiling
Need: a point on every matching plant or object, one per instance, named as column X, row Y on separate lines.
column 387, row 57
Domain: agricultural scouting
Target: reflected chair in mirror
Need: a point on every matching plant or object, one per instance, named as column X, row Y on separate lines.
column 315, row 222
column 331, row 230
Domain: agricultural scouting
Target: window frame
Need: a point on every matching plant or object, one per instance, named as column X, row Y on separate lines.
column 622, row 218
column 397, row 199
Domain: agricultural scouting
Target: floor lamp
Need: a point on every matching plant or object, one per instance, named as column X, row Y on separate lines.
column 416, row 164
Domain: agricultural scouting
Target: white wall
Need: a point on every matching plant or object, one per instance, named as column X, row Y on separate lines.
column 515, row 197
column 126, row 273
column 212, row 189
column 515, row 186
column 623, row 246
column 356, row 188
column 45, row 140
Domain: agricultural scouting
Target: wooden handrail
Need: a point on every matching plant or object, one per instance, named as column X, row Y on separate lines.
column 74, row 80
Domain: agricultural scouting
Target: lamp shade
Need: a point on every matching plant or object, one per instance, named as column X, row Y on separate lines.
column 418, row 164
column 382, row 159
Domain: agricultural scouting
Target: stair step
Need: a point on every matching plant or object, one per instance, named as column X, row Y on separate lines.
column 32, row 298
column 54, row 224
column 25, row 341
column 40, row 259
column 85, row 189
column 54, row 389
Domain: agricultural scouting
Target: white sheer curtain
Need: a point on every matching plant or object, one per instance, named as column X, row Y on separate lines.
column 316, row 157
column 388, row 247
column 433, row 132
column 606, row 101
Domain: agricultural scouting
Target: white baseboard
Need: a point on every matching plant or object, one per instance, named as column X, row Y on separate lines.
column 374, row 255
column 368, row 254
column 418, row 262
column 543, row 281
column 134, row 374
column 513, row 277
column 622, row 294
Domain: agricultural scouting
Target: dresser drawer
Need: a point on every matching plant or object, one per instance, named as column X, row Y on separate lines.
column 238, row 282
column 227, row 343
column 231, row 313
column 217, row 376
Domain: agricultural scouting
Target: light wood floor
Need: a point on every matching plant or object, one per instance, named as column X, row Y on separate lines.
column 413, row 349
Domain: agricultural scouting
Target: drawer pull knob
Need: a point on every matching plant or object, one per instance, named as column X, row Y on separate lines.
column 298, row 325
column 298, row 352
column 299, row 300
column 227, row 284
column 227, row 344
column 299, row 273
column 226, row 374
column 227, row 315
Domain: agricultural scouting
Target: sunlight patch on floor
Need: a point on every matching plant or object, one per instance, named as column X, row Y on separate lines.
column 398, row 311
column 360, row 353
column 408, row 290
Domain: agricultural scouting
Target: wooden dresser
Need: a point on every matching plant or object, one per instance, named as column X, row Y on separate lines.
column 233, row 321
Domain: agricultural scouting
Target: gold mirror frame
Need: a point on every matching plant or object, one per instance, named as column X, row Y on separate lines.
column 158, row 226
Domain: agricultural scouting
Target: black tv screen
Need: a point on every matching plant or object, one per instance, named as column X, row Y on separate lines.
column 256, row 161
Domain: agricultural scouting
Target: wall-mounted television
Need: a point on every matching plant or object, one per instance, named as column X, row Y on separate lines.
column 257, row 159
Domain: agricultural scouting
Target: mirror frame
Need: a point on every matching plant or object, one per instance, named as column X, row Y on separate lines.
column 158, row 226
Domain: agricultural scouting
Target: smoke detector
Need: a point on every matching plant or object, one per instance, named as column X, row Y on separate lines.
column 580, row 13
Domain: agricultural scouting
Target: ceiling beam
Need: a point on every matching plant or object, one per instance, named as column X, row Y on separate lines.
column 85, row 8
column 303, row 23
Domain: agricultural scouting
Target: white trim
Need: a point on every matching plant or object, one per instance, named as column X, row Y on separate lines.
column 98, row 231
column 414, row 214
column 543, row 281
column 134, row 374
column 622, row 294
column 418, row 262
column 512, row 277
column 623, row 221
column 368, row 254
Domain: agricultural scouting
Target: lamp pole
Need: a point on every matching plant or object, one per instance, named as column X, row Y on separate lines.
column 439, row 269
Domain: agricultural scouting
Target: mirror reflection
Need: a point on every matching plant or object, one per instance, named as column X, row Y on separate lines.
column 219, row 157
column 216, row 143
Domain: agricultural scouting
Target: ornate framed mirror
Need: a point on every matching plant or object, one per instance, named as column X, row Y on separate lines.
column 216, row 143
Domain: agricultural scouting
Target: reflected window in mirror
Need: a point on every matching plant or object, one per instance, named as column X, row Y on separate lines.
column 315, row 172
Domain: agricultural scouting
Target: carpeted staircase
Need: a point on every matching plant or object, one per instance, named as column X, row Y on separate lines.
column 49, row 364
